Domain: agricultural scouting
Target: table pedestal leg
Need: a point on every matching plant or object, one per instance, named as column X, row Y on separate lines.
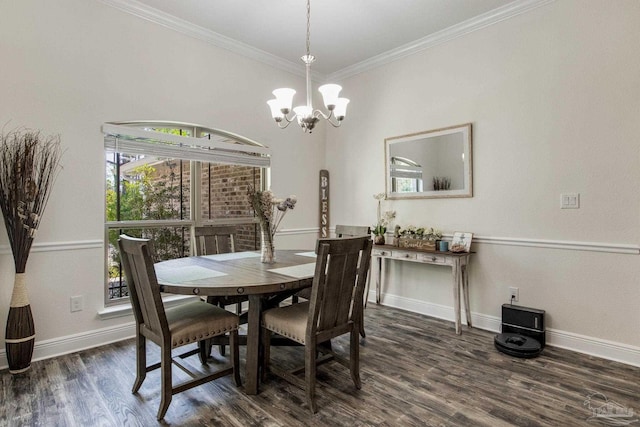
column 253, row 345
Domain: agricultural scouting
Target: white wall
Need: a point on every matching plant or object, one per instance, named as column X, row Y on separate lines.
column 70, row 65
column 554, row 98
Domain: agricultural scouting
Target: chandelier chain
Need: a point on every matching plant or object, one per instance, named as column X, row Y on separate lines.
column 308, row 27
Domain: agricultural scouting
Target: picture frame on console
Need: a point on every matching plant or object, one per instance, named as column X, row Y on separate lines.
column 461, row 242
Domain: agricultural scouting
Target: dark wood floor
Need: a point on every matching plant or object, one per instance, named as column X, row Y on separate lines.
column 415, row 372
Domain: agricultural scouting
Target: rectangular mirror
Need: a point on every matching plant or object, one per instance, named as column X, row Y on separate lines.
column 430, row 164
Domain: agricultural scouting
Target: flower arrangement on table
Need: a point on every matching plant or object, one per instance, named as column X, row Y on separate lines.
column 269, row 212
column 417, row 237
column 384, row 219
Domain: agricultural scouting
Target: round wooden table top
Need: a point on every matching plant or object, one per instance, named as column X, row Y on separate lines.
column 239, row 273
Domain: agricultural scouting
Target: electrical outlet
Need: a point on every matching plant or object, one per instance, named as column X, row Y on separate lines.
column 570, row 201
column 513, row 294
column 77, row 303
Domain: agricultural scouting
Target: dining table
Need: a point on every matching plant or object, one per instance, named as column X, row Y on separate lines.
column 241, row 273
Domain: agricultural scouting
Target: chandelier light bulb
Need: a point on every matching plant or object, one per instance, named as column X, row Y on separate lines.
column 276, row 110
column 330, row 93
column 340, row 110
column 284, row 96
column 303, row 111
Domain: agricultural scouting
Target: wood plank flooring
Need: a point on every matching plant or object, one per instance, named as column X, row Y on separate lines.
column 415, row 372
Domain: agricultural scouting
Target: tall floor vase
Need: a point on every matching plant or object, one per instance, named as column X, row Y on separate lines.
column 20, row 333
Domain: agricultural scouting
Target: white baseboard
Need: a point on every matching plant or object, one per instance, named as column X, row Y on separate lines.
column 605, row 349
column 72, row 343
column 583, row 344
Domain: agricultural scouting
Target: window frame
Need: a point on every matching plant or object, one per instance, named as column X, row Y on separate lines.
column 227, row 144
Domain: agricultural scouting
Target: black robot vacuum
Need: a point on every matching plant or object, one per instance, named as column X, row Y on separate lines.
column 518, row 345
column 523, row 333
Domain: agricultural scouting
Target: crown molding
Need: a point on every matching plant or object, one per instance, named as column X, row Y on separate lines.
column 151, row 14
column 476, row 23
column 135, row 8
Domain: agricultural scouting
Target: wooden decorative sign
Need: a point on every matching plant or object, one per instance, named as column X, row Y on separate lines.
column 324, row 203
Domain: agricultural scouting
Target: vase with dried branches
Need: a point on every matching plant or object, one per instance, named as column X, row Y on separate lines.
column 29, row 163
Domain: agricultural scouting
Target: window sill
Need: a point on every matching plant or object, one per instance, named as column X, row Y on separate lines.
column 123, row 310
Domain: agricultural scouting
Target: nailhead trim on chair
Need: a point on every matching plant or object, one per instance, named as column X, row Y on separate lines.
column 208, row 334
column 285, row 334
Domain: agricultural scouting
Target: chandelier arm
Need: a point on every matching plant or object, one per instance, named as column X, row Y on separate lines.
column 318, row 114
column 286, row 125
column 335, row 123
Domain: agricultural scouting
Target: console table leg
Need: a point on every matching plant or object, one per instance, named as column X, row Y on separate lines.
column 456, row 271
column 465, row 292
column 366, row 288
column 379, row 276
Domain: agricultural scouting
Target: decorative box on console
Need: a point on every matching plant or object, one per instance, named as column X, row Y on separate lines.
column 422, row 244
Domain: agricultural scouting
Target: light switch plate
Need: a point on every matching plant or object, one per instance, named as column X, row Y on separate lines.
column 570, row 201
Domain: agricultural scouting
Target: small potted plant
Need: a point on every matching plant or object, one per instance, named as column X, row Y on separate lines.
column 384, row 219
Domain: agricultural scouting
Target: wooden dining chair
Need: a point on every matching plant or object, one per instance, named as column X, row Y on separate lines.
column 352, row 231
column 214, row 240
column 175, row 327
column 344, row 231
column 334, row 309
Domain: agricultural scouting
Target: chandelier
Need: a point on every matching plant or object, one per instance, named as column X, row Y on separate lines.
column 305, row 115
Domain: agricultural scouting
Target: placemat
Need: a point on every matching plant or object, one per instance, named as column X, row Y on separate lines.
column 298, row 271
column 190, row 273
column 232, row 255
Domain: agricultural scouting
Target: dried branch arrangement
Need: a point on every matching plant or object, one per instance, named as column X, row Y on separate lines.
column 29, row 163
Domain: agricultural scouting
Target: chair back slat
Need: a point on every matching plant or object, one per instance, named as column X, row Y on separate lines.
column 213, row 240
column 143, row 286
column 341, row 271
column 343, row 231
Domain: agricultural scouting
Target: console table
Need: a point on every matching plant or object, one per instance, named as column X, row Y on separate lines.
column 458, row 263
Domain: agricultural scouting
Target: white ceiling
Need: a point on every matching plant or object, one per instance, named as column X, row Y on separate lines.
column 344, row 33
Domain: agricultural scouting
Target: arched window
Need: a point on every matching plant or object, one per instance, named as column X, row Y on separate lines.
column 164, row 178
column 406, row 175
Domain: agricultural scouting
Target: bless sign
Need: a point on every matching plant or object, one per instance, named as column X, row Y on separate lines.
column 324, row 203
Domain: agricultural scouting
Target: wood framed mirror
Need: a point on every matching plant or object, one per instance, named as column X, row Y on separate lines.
column 431, row 164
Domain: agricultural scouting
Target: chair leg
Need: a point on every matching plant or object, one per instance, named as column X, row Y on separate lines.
column 165, row 368
column 235, row 356
column 310, row 374
column 266, row 353
column 205, row 350
column 354, row 358
column 141, row 362
column 362, row 323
